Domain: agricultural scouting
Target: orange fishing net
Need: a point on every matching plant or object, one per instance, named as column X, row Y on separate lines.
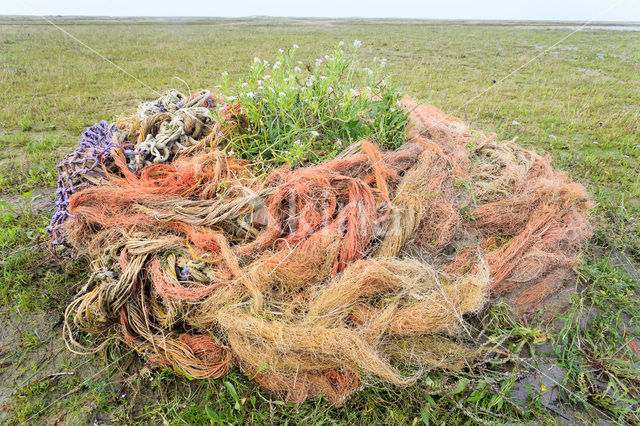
column 319, row 279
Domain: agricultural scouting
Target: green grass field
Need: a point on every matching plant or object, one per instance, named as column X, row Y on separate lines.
column 577, row 100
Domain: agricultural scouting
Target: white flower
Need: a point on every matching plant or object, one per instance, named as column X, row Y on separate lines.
column 282, row 94
column 315, row 134
column 250, row 94
column 231, row 152
column 354, row 92
column 339, row 142
column 553, row 136
column 218, row 86
column 224, row 73
column 375, row 59
column 276, row 65
column 260, row 88
column 256, row 60
column 272, row 90
column 323, row 77
column 330, row 89
column 266, row 63
column 244, row 84
column 293, row 88
column 327, row 57
column 267, row 77
column 280, row 51
column 260, row 82
column 392, row 109
column 299, row 62
column 515, row 123
column 295, row 46
column 341, row 43
column 297, row 69
column 318, row 62
column 357, row 43
column 296, row 142
column 595, row 143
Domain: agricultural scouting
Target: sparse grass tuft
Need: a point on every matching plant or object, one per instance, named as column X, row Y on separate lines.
column 598, row 345
column 30, row 279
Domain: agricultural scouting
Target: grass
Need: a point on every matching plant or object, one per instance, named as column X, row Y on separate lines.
column 579, row 102
column 30, row 278
column 599, row 341
column 299, row 113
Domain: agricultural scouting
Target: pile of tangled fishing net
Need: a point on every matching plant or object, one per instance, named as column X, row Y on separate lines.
column 313, row 280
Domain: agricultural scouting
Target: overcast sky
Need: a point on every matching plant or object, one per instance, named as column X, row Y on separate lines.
column 565, row 10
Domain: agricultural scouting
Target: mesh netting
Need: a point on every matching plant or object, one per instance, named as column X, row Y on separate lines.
column 81, row 169
column 317, row 280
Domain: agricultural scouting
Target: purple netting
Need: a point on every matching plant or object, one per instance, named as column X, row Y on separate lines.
column 85, row 160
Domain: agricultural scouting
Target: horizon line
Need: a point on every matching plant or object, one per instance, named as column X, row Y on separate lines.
column 476, row 20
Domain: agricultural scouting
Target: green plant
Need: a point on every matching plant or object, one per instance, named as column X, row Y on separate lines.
column 25, row 124
column 301, row 112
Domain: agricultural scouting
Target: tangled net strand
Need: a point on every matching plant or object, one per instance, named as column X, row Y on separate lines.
column 315, row 280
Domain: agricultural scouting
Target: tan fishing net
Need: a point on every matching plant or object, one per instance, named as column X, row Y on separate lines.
column 316, row 280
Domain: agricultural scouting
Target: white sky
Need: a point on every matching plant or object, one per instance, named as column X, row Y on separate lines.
column 563, row 10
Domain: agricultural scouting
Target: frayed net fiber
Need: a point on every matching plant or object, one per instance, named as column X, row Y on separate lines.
column 317, row 280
